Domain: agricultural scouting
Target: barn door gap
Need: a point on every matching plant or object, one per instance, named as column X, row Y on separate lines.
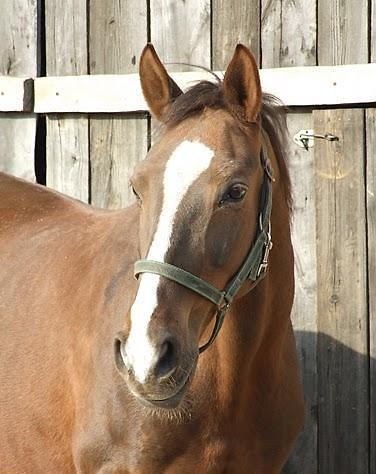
column 370, row 47
column 88, row 67
column 149, row 132
column 368, row 239
column 40, row 134
column 148, row 21
column 89, row 171
column 89, row 123
column 40, row 167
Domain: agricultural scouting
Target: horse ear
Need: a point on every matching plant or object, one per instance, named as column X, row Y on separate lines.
column 241, row 85
column 159, row 89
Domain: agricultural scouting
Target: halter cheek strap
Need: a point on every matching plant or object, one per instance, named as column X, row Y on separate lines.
column 253, row 268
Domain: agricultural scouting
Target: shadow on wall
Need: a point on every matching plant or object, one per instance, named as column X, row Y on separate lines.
column 339, row 387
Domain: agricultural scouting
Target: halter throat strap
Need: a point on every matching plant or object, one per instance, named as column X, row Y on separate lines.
column 253, row 268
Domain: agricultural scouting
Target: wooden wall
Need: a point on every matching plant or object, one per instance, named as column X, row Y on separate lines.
column 18, row 57
column 334, row 226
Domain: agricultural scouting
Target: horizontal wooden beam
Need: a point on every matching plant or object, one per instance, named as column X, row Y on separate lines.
column 99, row 93
column 297, row 86
column 96, row 93
column 16, row 94
column 322, row 85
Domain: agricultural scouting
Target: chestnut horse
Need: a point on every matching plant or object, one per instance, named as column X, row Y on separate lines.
column 102, row 372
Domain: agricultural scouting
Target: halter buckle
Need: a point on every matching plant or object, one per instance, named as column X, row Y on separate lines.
column 268, row 246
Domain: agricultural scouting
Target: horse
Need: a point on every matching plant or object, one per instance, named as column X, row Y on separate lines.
column 157, row 338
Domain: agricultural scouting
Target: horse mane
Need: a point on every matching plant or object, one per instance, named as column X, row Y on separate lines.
column 208, row 94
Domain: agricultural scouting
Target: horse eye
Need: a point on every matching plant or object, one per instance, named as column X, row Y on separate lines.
column 234, row 194
column 135, row 193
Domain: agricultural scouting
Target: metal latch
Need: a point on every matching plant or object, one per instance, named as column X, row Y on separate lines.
column 306, row 138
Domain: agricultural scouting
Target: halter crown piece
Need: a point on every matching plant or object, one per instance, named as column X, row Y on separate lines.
column 253, row 268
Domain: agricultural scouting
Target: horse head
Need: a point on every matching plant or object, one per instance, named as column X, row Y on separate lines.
column 198, row 192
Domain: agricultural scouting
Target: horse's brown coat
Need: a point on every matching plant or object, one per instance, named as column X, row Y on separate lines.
column 66, row 286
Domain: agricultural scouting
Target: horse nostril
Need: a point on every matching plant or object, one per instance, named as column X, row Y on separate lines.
column 168, row 359
column 119, row 353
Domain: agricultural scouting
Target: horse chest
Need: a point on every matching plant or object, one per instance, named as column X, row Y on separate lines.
column 173, row 452
column 211, row 459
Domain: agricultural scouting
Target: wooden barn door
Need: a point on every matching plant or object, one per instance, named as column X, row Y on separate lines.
column 334, row 230
column 341, row 233
column 334, row 233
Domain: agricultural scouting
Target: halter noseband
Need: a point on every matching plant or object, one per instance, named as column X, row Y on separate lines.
column 253, row 268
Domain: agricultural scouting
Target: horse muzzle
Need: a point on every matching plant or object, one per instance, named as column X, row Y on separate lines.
column 168, row 379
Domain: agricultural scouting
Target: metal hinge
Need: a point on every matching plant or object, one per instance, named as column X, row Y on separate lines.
column 306, row 138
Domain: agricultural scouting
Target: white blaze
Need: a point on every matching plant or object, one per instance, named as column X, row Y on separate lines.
column 184, row 166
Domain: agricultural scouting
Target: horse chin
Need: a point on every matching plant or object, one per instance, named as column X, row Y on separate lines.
column 170, row 402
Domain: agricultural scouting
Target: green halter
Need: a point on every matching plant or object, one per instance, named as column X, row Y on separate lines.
column 253, row 268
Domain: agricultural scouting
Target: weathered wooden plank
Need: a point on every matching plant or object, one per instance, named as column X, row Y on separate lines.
column 16, row 94
column 371, row 241
column 371, row 221
column 186, row 24
column 342, row 298
column 123, row 141
column 180, row 32
column 304, row 315
column 288, row 33
column 67, row 155
column 17, row 141
column 67, row 146
column 343, row 319
column 116, row 143
column 18, row 57
column 99, row 93
column 232, row 23
column 288, row 38
column 300, row 86
column 342, row 32
column 94, row 93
